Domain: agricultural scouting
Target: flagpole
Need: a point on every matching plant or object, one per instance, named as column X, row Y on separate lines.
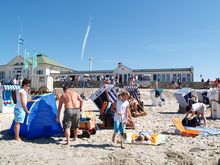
column 19, row 36
column 32, row 69
column 24, row 62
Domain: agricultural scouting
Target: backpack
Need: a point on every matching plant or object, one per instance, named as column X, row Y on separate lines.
column 191, row 123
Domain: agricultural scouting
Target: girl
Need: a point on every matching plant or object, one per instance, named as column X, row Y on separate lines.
column 121, row 107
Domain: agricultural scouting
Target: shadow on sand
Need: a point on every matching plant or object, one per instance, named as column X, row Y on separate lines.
column 103, row 146
column 6, row 137
column 149, row 105
column 168, row 133
column 169, row 113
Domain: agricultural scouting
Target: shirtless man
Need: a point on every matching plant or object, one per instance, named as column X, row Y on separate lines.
column 73, row 106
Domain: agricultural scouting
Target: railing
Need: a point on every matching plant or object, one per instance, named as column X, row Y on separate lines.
column 77, row 84
column 164, row 85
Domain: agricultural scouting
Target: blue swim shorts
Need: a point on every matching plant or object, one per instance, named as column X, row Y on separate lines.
column 19, row 115
column 119, row 127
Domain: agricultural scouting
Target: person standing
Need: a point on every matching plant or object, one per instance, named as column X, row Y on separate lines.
column 121, row 107
column 73, row 106
column 20, row 109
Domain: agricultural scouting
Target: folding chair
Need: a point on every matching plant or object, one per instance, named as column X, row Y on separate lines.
column 183, row 131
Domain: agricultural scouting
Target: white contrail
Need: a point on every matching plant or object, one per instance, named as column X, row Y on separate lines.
column 20, row 25
column 85, row 39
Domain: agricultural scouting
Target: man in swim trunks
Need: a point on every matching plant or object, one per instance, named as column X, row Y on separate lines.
column 73, row 106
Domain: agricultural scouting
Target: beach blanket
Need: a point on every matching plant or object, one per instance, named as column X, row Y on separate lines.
column 143, row 137
column 205, row 131
column 193, row 131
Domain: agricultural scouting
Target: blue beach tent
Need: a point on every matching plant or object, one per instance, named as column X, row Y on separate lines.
column 41, row 122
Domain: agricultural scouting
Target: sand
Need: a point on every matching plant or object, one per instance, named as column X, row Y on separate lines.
column 98, row 149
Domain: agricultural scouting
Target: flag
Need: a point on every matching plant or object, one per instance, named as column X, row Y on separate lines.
column 34, row 59
column 20, row 40
column 26, row 57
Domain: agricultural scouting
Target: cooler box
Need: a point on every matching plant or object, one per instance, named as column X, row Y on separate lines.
column 183, row 96
column 87, row 124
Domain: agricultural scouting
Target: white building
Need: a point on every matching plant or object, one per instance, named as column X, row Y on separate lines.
column 40, row 76
column 123, row 74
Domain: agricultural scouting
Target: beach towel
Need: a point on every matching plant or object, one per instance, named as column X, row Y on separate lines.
column 205, row 131
column 143, row 137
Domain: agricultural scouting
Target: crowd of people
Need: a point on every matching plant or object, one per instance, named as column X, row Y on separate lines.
column 124, row 108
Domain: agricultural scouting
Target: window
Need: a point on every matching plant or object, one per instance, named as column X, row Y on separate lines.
column 140, row 78
column 42, row 79
column 188, row 77
column 2, row 75
column 19, row 63
column 163, row 78
column 159, row 77
column 40, row 72
column 168, row 77
column 146, row 77
column 179, row 77
column 174, row 77
column 154, row 77
column 184, row 77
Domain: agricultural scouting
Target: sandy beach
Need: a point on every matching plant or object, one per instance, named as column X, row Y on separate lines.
column 98, row 149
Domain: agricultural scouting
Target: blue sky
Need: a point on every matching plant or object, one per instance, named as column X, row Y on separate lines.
column 140, row 34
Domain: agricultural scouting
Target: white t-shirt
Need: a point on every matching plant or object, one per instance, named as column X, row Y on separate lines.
column 196, row 107
column 19, row 104
column 121, row 108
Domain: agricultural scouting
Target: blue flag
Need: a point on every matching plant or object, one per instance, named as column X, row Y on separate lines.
column 21, row 41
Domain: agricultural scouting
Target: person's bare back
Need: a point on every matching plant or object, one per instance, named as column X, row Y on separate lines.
column 71, row 99
column 73, row 105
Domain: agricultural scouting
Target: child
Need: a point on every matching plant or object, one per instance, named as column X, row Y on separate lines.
column 198, row 109
column 121, row 114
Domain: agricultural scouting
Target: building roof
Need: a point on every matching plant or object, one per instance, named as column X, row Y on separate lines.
column 43, row 59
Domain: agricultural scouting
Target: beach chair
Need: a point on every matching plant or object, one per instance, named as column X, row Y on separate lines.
column 183, row 131
column 133, row 90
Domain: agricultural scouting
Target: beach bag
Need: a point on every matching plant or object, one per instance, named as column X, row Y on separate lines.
column 191, row 123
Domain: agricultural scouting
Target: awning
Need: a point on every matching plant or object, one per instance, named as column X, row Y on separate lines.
column 11, row 87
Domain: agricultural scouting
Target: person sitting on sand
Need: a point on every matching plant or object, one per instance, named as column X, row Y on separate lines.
column 130, row 123
column 21, row 107
column 198, row 109
column 120, row 116
column 135, row 108
column 133, row 105
column 73, row 106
